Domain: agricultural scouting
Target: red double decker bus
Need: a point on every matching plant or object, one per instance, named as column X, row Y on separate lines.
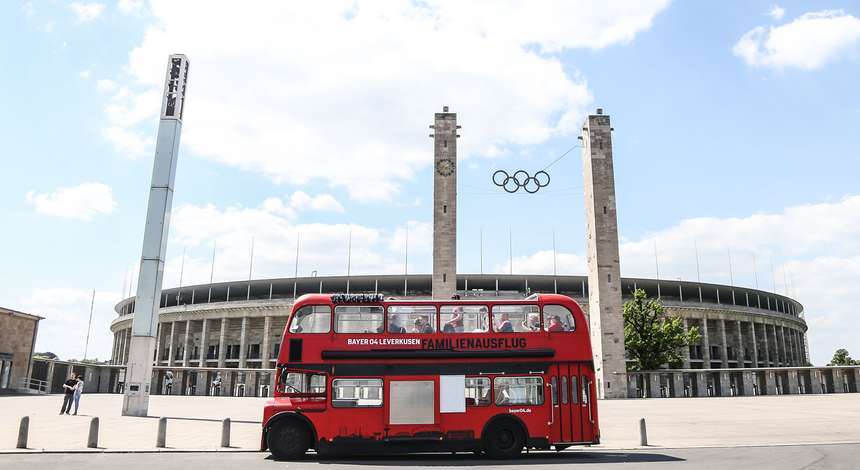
column 361, row 373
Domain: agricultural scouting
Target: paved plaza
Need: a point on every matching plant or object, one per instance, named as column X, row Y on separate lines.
column 195, row 422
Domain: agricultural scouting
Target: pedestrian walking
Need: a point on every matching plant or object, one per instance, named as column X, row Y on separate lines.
column 69, row 394
column 79, row 389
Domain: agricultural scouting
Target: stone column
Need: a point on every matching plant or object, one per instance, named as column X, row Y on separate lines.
column 222, row 350
column 815, row 381
column 741, row 352
column 445, row 134
column 701, row 384
column 746, row 377
column 654, row 379
column 243, row 344
column 678, row 383
column 202, row 384
column 120, row 353
column 170, row 345
column 766, row 345
column 754, row 345
column 227, row 383
column 158, row 334
column 204, row 342
column 251, row 384
column 178, row 383
column 725, row 384
column 838, row 381
column 785, row 350
column 267, row 333
column 186, row 343
column 725, row 345
column 686, row 355
column 770, row 380
column 791, row 386
column 49, row 380
column 706, row 343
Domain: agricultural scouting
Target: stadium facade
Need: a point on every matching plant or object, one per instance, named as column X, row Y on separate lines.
column 230, row 329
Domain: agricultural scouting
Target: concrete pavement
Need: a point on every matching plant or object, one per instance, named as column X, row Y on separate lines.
column 195, row 422
column 839, row 456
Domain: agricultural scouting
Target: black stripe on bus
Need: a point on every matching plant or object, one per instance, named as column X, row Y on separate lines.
column 437, row 354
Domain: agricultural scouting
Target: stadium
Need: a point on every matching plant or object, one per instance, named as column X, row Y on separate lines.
column 207, row 330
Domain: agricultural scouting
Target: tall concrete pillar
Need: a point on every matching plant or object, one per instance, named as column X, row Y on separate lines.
column 766, row 345
column 243, row 345
column 706, row 343
column 686, row 354
column 604, row 267
column 202, row 384
column 654, row 385
column 186, row 343
column 204, row 342
column 791, row 386
column 747, row 379
column 741, row 347
column 724, row 347
column 158, row 337
column 49, row 380
column 251, row 384
column 725, row 384
column 444, row 135
column 770, row 382
column 754, row 345
column 139, row 372
column 265, row 353
column 222, row 350
column 815, row 381
column 172, row 342
column 113, row 350
column 701, row 384
column 178, row 383
column 678, row 384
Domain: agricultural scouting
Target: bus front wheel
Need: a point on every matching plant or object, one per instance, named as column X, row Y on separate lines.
column 504, row 440
column 288, row 439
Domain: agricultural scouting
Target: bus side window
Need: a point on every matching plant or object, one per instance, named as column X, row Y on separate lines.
column 464, row 319
column 574, row 390
column 585, row 391
column 311, row 319
column 518, row 390
column 477, row 391
column 356, row 393
column 553, row 390
column 557, row 319
column 358, row 319
column 419, row 319
column 516, row 318
column 563, row 389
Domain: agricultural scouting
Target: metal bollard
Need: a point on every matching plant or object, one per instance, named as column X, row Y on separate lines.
column 93, row 437
column 23, row 431
column 643, row 433
column 225, row 433
column 161, row 438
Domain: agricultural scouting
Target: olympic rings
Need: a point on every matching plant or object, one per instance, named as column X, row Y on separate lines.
column 521, row 179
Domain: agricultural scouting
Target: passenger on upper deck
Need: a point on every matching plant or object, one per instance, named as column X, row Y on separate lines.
column 455, row 324
column 532, row 323
column 422, row 326
column 555, row 324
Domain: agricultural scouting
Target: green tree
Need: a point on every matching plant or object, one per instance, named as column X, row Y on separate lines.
column 652, row 337
column 841, row 358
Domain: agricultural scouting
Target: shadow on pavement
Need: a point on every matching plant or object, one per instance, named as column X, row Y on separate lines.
column 211, row 420
column 534, row 458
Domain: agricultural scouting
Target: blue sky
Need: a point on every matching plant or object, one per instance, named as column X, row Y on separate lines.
column 735, row 130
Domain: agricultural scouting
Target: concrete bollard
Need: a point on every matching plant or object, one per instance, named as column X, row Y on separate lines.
column 93, row 437
column 23, row 431
column 161, row 438
column 225, row 433
column 643, row 433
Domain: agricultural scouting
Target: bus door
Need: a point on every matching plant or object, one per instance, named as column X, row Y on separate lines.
column 412, row 409
column 565, row 422
column 587, row 402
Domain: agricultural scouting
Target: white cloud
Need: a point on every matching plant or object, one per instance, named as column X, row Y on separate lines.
column 87, row 11
column 809, row 42
column 128, row 142
column 66, row 312
column 323, row 247
column 84, row 74
column 776, row 12
column 810, row 252
column 105, row 85
column 82, row 202
column 29, row 9
column 300, row 200
column 343, row 92
column 129, row 7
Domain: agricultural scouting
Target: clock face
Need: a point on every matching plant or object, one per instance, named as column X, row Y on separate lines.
column 445, row 167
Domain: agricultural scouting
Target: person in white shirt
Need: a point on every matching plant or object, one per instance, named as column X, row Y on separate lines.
column 79, row 389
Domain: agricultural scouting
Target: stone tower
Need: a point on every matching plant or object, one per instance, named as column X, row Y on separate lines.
column 444, row 204
column 605, row 309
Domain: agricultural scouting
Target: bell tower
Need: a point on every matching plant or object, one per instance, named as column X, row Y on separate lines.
column 444, row 204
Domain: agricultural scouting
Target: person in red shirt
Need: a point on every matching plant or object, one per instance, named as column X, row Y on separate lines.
column 555, row 324
column 456, row 322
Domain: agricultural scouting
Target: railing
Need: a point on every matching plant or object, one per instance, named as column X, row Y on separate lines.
column 40, row 386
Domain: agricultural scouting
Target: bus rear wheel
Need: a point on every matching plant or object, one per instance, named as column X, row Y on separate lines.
column 504, row 440
column 288, row 439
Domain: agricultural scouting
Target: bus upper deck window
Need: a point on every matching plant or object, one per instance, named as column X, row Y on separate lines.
column 412, row 319
column 311, row 319
column 557, row 318
column 516, row 318
column 464, row 319
column 358, row 319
